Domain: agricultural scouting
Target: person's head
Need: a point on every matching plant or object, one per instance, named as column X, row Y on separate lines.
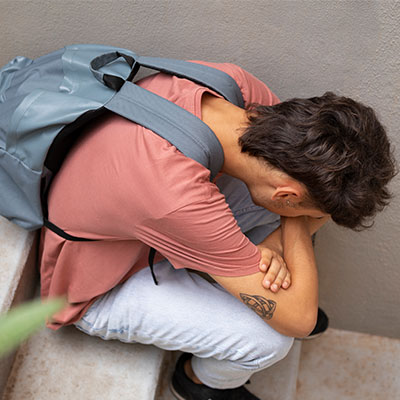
column 334, row 146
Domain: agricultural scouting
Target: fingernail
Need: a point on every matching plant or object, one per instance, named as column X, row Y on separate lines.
column 267, row 284
column 285, row 284
column 264, row 266
column 274, row 287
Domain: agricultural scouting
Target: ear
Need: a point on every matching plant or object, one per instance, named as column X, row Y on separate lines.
column 291, row 191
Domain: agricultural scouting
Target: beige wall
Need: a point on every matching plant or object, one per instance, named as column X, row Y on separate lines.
column 299, row 48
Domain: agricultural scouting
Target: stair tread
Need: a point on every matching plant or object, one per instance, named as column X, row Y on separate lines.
column 15, row 245
column 67, row 363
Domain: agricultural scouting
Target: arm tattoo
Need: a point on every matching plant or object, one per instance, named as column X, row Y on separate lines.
column 263, row 307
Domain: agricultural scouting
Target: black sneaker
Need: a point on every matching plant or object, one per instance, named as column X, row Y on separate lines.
column 320, row 327
column 184, row 388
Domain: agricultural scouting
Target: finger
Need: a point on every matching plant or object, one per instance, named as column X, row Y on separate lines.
column 287, row 281
column 263, row 266
column 272, row 272
column 265, row 261
column 280, row 277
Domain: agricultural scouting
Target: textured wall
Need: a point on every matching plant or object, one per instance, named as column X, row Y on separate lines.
column 299, row 48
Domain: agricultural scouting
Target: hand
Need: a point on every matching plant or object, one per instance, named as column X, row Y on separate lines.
column 277, row 274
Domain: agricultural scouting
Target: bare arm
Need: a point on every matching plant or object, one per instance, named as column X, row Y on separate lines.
column 293, row 311
column 274, row 241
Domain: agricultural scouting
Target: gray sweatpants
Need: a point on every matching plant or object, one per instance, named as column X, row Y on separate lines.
column 186, row 312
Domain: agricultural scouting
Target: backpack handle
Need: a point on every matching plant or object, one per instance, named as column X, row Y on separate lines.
column 113, row 81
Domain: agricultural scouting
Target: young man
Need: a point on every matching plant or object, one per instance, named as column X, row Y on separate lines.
column 288, row 168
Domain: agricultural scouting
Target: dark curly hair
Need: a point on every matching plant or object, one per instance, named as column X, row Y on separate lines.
column 334, row 145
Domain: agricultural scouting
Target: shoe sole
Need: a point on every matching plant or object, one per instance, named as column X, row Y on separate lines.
column 175, row 393
column 311, row 337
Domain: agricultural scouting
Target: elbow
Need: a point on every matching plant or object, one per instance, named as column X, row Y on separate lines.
column 298, row 325
column 306, row 324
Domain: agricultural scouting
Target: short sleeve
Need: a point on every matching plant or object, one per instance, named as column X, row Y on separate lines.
column 258, row 92
column 202, row 236
column 253, row 90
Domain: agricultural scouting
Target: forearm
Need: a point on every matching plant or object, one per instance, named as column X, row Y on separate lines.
column 274, row 240
column 299, row 256
column 296, row 307
column 293, row 311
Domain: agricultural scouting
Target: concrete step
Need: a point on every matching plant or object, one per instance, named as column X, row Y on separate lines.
column 16, row 245
column 349, row 365
column 18, row 275
column 69, row 364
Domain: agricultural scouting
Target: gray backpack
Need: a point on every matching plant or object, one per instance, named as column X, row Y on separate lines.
column 44, row 103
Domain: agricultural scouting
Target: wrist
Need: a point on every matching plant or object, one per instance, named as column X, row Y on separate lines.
column 276, row 247
column 273, row 241
column 295, row 230
column 316, row 223
column 300, row 223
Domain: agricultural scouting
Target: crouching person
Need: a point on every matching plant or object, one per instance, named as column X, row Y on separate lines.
column 288, row 168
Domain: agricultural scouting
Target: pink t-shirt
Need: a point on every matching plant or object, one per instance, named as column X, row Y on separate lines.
column 132, row 189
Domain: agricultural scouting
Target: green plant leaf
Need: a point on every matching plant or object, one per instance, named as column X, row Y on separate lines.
column 22, row 321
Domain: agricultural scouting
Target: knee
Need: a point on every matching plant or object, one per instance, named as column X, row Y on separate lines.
column 280, row 350
column 270, row 349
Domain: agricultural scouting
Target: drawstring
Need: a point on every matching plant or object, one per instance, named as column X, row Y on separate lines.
column 152, row 254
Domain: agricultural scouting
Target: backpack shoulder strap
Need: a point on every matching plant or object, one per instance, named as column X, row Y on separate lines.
column 181, row 128
column 213, row 78
column 184, row 130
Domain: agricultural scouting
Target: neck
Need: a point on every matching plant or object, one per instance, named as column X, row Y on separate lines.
column 227, row 122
